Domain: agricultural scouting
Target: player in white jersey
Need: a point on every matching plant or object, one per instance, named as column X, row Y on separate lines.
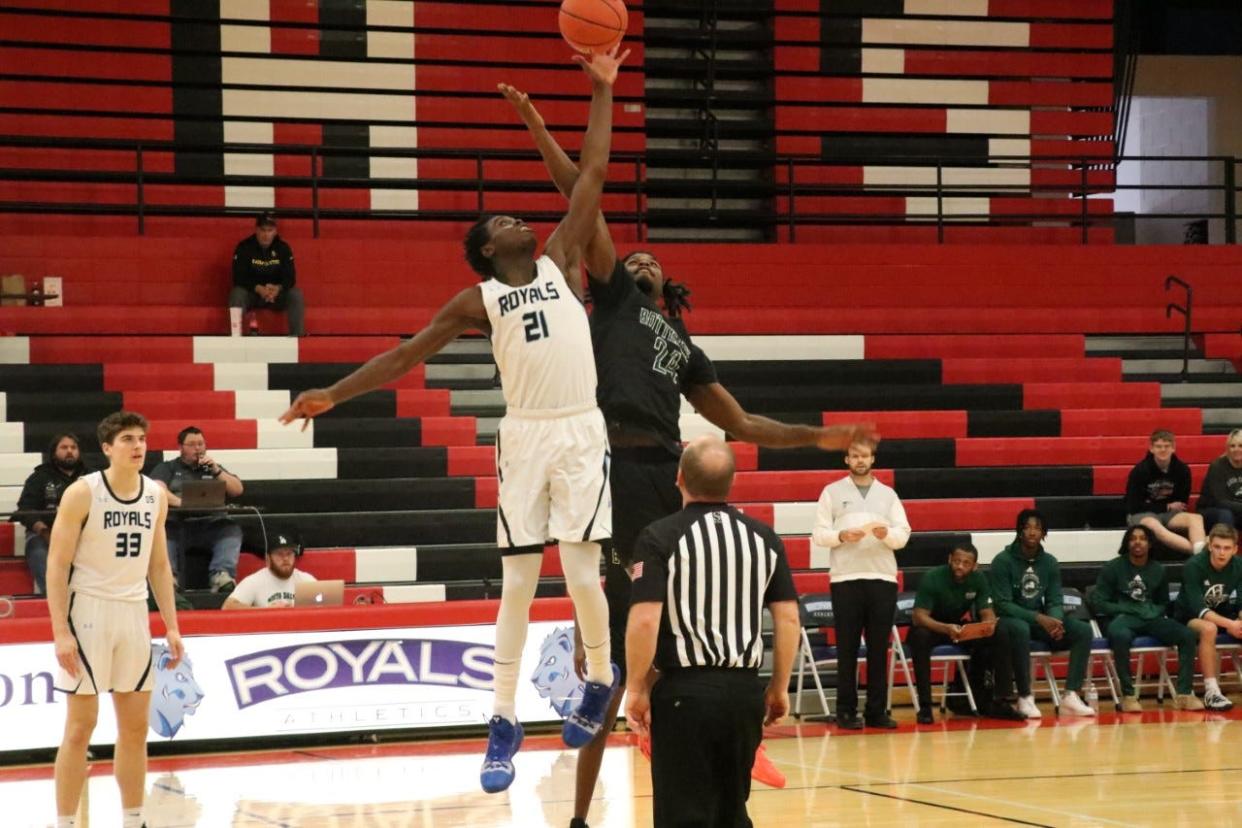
column 552, row 447
column 107, row 543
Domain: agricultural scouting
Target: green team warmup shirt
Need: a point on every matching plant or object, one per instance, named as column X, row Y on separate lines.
column 947, row 600
column 1206, row 588
column 1125, row 589
column 1024, row 588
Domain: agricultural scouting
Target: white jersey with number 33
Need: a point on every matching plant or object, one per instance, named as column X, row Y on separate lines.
column 114, row 548
column 541, row 341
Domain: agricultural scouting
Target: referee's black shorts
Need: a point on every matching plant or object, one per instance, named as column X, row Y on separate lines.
column 644, row 490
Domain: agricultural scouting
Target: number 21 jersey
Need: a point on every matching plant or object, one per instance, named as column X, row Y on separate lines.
column 114, row 548
column 541, row 340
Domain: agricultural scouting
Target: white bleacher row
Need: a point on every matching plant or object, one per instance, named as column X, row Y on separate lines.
column 253, row 351
column 1068, row 546
column 15, row 350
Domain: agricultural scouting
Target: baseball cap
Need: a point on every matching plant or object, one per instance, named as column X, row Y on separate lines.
column 281, row 539
column 264, row 219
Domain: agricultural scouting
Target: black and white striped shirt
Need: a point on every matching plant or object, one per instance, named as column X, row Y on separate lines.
column 714, row 569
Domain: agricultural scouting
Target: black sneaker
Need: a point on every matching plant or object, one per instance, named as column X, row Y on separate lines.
column 849, row 721
column 925, row 715
column 578, row 823
column 882, row 721
column 1005, row 712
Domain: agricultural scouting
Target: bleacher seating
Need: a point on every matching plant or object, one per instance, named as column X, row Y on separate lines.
column 972, row 360
column 396, row 489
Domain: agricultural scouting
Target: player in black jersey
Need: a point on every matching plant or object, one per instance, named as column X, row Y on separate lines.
column 646, row 362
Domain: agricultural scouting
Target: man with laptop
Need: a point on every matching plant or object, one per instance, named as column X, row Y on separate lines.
column 281, row 583
column 197, row 489
column 953, row 605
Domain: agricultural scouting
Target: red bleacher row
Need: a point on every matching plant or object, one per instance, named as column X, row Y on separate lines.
column 229, row 433
column 1089, row 423
column 153, row 351
column 788, row 320
column 222, row 405
column 50, row 350
column 192, row 270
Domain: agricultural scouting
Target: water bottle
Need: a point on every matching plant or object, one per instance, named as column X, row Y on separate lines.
column 1091, row 697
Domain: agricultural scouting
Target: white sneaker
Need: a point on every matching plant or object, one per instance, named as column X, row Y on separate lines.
column 1071, row 705
column 1216, row 700
column 221, row 582
column 1026, row 706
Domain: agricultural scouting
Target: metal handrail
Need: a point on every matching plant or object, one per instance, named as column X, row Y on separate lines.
column 1078, row 183
column 1186, row 311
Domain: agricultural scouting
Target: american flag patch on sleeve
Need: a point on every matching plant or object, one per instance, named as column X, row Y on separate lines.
column 637, row 571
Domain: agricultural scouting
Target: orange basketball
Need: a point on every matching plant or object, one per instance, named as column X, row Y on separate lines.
column 593, row 25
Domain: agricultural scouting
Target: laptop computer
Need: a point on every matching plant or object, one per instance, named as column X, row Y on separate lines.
column 202, row 494
column 319, row 594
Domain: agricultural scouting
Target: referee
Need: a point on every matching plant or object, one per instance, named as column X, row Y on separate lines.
column 703, row 703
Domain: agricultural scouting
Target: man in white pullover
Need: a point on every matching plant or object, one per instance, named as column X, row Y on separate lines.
column 863, row 522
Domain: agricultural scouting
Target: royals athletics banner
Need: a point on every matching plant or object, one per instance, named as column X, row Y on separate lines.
column 265, row 684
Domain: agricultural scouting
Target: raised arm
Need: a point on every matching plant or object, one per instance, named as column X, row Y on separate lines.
column 721, row 409
column 599, row 253
column 463, row 312
column 579, row 224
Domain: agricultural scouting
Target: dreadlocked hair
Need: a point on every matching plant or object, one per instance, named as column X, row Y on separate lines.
column 676, row 297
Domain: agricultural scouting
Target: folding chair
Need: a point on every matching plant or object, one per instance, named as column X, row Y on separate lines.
column 1140, row 648
column 950, row 656
column 815, row 613
column 1226, row 645
column 1075, row 605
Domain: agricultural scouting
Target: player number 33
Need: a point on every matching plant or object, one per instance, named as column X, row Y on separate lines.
column 128, row 544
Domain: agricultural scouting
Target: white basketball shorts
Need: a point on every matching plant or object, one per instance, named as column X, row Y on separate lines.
column 553, row 473
column 114, row 646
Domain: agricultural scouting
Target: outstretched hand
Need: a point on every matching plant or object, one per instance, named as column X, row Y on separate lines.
column 841, row 437
column 520, row 102
column 308, row 404
column 602, row 67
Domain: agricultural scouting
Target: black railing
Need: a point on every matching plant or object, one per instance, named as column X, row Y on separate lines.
column 1186, row 310
column 946, row 183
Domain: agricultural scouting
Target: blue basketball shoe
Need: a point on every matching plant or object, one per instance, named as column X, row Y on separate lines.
column 503, row 740
column 585, row 722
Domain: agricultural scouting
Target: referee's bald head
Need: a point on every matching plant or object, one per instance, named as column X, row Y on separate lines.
column 706, row 469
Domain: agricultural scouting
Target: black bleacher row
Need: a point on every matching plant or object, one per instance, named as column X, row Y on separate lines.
column 402, row 436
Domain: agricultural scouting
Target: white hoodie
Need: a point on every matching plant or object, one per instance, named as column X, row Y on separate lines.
column 841, row 507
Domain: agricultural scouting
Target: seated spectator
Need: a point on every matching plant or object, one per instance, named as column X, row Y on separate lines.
column 1132, row 591
column 1026, row 586
column 1157, row 492
column 1205, row 604
column 1221, row 498
column 264, row 277
column 41, row 496
column 217, row 533
column 272, row 586
column 947, row 596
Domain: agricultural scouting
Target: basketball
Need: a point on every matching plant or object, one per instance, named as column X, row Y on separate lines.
column 593, row 25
